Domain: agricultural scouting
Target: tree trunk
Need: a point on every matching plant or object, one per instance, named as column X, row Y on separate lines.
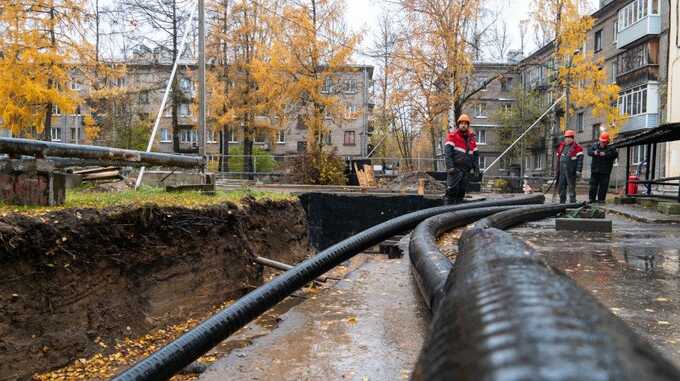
column 175, row 98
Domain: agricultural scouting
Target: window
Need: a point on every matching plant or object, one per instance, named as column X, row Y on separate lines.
column 598, row 40
column 596, row 131
column 506, row 84
column 481, row 136
column 639, row 154
column 638, row 56
column 615, row 31
column 187, row 136
column 168, row 111
column 480, row 110
column 326, row 138
column 636, row 11
column 350, row 138
column 77, row 111
column 185, row 110
column 55, row 110
column 260, row 136
column 350, row 111
column 579, row 121
column 212, row 136
column 144, row 97
column 185, row 84
column 482, row 162
column 165, row 135
column 480, row 82
column 55, row 134
column 350, row 86
column 231, row 136
column 507, row 107
column 281, row 137
column 75, row 134
column 633, row 101
column 538, row 161
column 327, row 85
column 614, row 72
column 75, row 85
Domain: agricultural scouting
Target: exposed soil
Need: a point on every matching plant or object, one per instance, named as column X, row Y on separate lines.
column 71, row 280
column 409, row 183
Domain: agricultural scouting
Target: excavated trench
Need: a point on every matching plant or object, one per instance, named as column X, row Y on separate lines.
column 74, row 281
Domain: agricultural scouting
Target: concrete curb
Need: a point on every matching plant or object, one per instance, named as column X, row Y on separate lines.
column 638, row 218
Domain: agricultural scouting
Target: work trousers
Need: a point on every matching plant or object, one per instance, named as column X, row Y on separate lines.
column 456, row 184
column 567, row 184
column 599, row 183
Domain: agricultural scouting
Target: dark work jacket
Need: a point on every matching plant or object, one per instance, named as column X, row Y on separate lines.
column 575, row 158
column 460, row 150
column 602, row 164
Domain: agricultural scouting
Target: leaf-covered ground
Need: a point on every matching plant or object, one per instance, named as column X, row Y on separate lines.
column 87, row 198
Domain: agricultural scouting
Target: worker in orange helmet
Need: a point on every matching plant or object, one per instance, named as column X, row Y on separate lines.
column 601, row 168
column 461, row 158
column 569, row 166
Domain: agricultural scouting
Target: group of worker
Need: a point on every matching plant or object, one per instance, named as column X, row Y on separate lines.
column 462, row 162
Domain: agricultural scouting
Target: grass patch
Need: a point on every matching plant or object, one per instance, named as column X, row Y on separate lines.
column 85, row 198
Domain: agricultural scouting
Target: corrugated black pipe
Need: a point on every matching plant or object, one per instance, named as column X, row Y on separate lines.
column 170, row 359
column 507, row 315
column 430, row 267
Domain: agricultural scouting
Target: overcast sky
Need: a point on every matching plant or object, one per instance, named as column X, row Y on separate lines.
column 363, row 15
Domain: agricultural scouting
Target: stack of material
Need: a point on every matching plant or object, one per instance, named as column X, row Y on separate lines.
column 100, row 174
column 410, row 183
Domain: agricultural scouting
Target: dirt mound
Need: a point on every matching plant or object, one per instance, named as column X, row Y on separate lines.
column 73, row 281
column 409, row 183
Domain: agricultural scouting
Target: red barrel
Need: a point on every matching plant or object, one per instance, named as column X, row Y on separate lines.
column 632, row 185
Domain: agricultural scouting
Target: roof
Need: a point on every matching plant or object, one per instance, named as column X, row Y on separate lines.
column 664, row 133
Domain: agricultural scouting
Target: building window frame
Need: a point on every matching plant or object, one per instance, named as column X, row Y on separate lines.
column 165, row 135
column 281, row 137
column 580, row 122
column 481, row 136
column 349, row 138
column 55, row 134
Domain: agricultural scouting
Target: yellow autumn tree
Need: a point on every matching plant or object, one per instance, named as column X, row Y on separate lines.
column 582, row 77
column 44, row 50
column 310, row 45
column 436, row 59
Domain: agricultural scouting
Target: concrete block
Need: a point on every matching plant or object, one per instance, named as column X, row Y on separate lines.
column 672, row 208
column 623, row 200
column 583, row 225
column 44, row 189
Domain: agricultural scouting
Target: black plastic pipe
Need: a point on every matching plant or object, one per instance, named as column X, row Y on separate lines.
column 430, row 267
column 42, row 149
column 170, row 359
column 507, row 315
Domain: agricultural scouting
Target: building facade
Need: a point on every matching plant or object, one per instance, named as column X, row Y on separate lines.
column 672, row 158
column 484, row 106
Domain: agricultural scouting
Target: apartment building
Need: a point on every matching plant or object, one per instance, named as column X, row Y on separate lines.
column 145, row 82
column 485, row 105
column 672, row 158
column 632, row 39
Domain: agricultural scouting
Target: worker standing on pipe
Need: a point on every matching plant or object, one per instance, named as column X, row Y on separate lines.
column 569, row 166
column 461, row 158
column 601, row 168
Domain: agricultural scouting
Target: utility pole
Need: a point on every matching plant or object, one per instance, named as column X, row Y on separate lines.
column 202, row 129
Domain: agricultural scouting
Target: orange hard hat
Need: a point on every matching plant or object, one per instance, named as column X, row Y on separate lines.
column 604, row 137
column 569, row 134
column 463, row 118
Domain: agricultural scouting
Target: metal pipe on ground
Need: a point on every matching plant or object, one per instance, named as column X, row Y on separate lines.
column 42, row 149
column 507, row 315
column 170, row 359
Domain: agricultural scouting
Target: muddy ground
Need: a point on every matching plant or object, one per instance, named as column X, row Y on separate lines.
column 74, row 281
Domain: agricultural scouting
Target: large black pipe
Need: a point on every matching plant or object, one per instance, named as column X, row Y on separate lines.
column 507, row 315
column 42, row 149
column 430, row 267
column 168, row 360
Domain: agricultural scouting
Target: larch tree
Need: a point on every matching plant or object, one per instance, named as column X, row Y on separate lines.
column 442, row 40
column 310, row 45
column 581, row 77
column 42, row 45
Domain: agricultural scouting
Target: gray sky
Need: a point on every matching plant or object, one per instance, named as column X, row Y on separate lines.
column 363, row 14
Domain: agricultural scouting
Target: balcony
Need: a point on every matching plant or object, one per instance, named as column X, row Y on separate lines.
column 640, row 122
column 647, row 26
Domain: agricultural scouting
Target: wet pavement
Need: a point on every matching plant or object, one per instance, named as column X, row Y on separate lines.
column 368, row 326
column 634, row 271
